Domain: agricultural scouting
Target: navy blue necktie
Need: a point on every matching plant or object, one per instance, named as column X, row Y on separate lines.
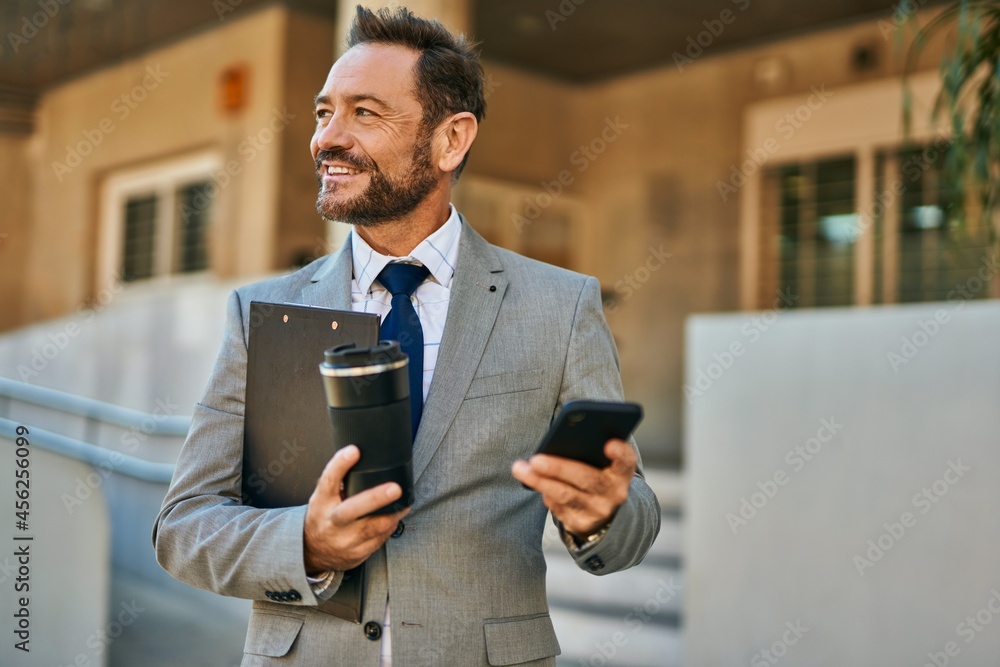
column 402, row 324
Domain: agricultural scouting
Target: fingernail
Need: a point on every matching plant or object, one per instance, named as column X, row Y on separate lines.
column 393, row 491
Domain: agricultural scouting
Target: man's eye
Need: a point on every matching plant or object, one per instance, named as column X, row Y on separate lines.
column 322, row 113
column 361, row 111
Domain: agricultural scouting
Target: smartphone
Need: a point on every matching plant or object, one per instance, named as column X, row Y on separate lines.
column 582, row 428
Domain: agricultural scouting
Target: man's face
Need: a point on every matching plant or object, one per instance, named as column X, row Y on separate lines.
column 372, row 150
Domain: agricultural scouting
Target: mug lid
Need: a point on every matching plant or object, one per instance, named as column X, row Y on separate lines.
column 350, row 355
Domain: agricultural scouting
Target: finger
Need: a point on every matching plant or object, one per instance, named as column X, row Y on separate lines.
column 576, row 473
column 372, row 533
column 368, row 501
column 330, row 481
column 353, row 542
column 371, row 544
column 379, row 528
column 557, row 495
column 554, row 492
column 522, row 472
column 622, row 456
column 578, row 512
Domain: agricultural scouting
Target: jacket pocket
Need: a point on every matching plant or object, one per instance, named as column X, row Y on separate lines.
column 511, row 641
column 272, row 635
column 505, row 383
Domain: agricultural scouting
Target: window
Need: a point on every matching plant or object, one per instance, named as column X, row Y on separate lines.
column 194, row 203
column 147, row 252
column 840, row 213
column 140, row 231
column 156, row 220
column 812, row 232
column 816, row 231
column 922, row 257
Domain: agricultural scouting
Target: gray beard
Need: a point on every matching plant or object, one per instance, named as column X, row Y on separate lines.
column 383, row 199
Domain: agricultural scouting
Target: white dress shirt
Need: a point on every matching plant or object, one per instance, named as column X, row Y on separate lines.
column 438, row 252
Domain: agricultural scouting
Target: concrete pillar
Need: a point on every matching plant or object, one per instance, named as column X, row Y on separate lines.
column 16, row 237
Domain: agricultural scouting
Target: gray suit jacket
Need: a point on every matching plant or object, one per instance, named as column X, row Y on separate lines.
column 467, row 576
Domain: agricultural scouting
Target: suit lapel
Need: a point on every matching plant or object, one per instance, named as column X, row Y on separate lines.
column 472, row 312
column 330, row 286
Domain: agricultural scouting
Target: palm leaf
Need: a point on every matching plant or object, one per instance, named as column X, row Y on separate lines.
column 970, row 97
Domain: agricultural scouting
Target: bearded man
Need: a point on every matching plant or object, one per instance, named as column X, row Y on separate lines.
column 458, row 578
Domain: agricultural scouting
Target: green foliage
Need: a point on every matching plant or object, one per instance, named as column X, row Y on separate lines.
column 970, row 96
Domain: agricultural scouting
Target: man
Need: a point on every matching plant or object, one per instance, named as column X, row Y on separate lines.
column 506, row 342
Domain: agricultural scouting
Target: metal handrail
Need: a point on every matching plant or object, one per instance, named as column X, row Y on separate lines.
column 111, row 460
column 108, row 413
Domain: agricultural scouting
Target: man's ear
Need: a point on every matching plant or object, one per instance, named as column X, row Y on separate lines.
column 453, row 139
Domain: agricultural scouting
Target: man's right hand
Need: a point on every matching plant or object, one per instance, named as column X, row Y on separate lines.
column 338, row 535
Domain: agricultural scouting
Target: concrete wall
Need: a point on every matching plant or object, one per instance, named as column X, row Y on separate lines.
column 144, row 348
column 841, row 476
column 150, row 348
column 68, row 574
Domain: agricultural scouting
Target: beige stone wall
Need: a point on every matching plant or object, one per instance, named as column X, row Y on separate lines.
column 529, row 127
column 653, row 189
column 15, row 223
column 666, row 138
column 178, row 113
column 657, row 186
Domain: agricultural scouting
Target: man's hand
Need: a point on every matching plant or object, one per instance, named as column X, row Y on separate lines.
column 338, row 535
column 581, row 497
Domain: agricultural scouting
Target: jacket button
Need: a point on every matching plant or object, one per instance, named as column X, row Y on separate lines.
column 373, row 631
column 594, row 563
column 294, row 596
column 400, row 527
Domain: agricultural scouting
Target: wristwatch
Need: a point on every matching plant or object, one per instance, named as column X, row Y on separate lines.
column 577, row 545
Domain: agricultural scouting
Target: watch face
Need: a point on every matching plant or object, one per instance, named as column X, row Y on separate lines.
column 598, row 535
column 575, row 544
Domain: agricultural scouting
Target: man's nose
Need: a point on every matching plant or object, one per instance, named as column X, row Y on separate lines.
column 334, row 134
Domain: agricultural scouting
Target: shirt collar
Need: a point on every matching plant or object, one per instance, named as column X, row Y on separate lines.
column 438, row 252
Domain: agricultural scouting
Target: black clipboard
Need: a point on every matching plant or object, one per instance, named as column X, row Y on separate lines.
column 287, row 436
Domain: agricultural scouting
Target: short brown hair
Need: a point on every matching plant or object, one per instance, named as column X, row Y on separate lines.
column 449, row 76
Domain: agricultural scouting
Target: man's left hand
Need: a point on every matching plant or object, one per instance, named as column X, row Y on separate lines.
column 581, row 497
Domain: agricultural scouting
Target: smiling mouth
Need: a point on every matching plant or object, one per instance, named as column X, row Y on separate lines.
column 342, row 171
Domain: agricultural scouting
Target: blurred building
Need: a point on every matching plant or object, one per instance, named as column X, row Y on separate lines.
column 726, row 155
column 146, row 140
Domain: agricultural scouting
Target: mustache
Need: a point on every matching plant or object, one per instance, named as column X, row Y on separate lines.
column 342, row 155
